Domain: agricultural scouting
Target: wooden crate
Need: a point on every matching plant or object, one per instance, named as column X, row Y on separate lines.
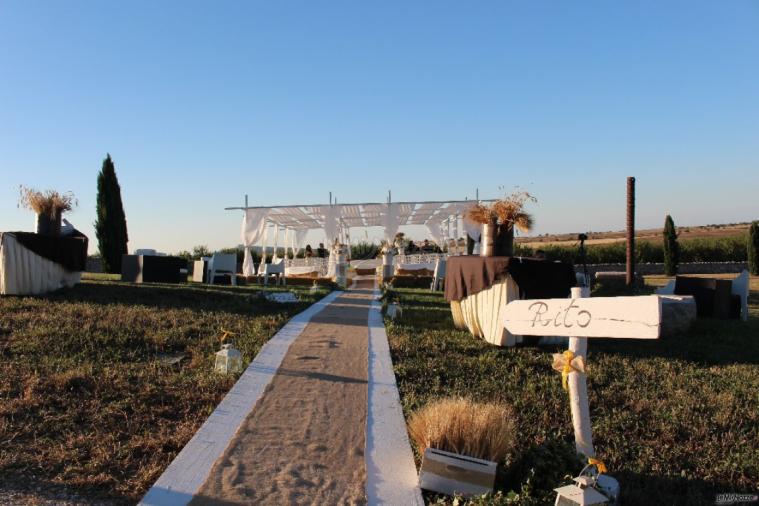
column 451, row 473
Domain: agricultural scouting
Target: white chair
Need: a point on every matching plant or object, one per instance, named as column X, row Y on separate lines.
column 668, row 289
column 582, row 279
column 439, row 276
column 740, row 288
column 222, row 264
column 275, row 268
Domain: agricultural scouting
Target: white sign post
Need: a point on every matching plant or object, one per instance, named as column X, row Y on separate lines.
column 583, row 318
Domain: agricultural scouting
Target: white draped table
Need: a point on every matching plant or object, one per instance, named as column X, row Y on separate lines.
column 478, row 289
column 24, row 272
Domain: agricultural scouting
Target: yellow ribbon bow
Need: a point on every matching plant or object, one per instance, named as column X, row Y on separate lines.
column 600, row 466
column 565, row 363
column 225, row 334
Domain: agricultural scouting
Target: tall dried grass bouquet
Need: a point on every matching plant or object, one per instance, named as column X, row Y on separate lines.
column 455, row 424
column 48, row 202
column 510, row 210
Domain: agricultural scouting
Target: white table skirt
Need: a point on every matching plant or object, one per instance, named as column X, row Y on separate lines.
column 482, row 315
column 415, row 267
column 299, row 270
column 23, row 272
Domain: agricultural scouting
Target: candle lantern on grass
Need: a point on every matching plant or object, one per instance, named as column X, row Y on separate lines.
column 581, row 493
column 228, row 359
column 592, row 487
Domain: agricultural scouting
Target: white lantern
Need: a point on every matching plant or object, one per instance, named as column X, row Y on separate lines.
column 228, row 359
column 581, row 493
column 393, row 311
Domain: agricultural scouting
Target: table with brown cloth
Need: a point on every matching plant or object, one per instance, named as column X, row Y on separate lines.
column 34, row 264
column 152, row 269
column 478, row 289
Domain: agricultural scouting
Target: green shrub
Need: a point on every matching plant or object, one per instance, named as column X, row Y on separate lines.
column 364, row 250
column 671, row 248
column 752, row 251
column 110, row 226
column 723, row 249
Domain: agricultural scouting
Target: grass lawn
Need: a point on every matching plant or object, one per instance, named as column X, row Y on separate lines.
column 87, row 401
column 675, row 420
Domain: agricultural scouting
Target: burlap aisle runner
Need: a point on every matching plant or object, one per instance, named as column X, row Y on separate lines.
column 304, row 441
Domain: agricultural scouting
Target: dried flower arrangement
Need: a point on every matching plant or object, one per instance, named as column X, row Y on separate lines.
column 481, row 430
column 48, row 203
column 506, row 211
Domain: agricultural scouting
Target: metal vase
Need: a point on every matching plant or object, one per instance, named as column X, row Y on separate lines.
column 487, row 240
column 49, row 225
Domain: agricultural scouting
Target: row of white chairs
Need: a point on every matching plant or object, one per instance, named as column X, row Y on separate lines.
column 225, row 264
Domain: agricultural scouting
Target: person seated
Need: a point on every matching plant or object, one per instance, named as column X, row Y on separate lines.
column 426, row 246
column 320, row 251
column 540, row 255
column 309, row 251
column 411, row 248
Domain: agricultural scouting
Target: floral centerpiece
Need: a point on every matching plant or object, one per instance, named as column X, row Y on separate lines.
column 499, row 219
column 49, row 206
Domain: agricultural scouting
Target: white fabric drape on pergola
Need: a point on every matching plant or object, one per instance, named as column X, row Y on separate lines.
column 337, row 219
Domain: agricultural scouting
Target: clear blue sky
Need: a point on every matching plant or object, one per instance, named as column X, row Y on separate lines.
column 202, row 102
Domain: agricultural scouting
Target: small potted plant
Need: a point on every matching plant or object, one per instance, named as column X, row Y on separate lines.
column 462, row 442
column 400, row 242
column 388, row 255
column 498, row 221
column 49, row 206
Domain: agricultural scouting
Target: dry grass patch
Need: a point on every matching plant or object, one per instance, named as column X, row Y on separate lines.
column 87, row 401
column 460, row 425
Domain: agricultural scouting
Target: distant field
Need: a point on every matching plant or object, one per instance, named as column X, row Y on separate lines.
column 654, row 234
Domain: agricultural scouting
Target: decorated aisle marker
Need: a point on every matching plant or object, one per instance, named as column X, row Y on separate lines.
column 580, row 318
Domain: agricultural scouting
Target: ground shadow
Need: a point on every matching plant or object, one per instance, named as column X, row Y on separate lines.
column 319, row 376
column 17, row 488
column 554, row 463
column 647, row 488
column 248, row 302
column 708, row 342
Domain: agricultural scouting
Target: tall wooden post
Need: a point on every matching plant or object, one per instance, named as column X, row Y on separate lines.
column 630, row 231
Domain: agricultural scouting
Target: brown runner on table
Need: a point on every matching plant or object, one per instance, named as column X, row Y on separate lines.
column 303, row 442
column 537, row 279
column 68, row 251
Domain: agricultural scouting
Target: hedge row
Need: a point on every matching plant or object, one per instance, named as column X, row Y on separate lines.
column 723, row 249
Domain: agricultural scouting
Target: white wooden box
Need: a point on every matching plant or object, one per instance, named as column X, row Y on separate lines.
column 451, row 473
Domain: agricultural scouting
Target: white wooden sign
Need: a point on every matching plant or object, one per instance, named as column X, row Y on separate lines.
column 579, row 318
column 621, row 317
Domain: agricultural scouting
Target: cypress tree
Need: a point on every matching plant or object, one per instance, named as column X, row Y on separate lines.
column 753, row 248
column 671, row 248
column 110, row 226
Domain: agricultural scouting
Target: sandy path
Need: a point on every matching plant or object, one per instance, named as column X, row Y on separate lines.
column 304, row 441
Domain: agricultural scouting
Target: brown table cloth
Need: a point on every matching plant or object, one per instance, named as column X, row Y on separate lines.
column 70, row 251
column 714, row 297
column 537, row 279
